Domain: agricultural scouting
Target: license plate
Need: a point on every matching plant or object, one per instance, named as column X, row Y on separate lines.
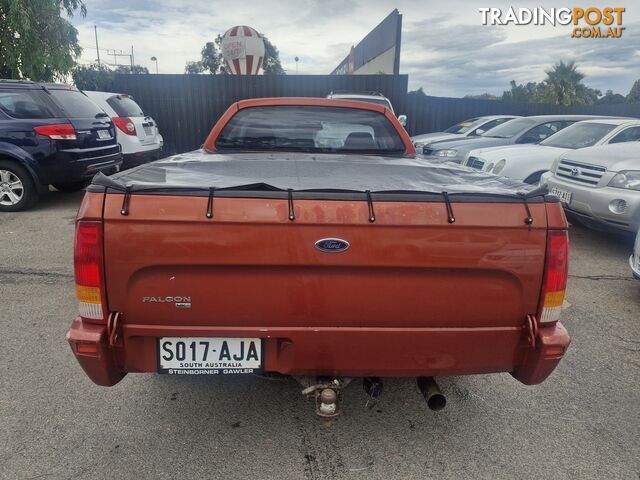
column 104, row 134
column 563, row 195
column 209, row 356
column 148, row 131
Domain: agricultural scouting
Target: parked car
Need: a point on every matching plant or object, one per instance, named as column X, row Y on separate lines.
column 369, row 97
column 599, row 186
column 471, row 127
column 526, row 130
column 634, row 259
column 354, row 259
column 50, row 134
column 528, row 162
column 136, row 132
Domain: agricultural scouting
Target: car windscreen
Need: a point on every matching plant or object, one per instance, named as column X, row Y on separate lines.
column 125, row 106
column 75, row 104
column 510, row 128
column 308, row 128
column 579, row 135
column 23, row 104
column 463, row 127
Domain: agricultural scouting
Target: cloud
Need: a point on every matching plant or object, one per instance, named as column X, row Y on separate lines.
column 444, row 48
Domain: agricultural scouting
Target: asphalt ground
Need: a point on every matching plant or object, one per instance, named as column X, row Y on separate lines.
column 582, row 423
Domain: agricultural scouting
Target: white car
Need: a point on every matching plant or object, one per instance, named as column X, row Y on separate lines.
column 528, row 162
column 599, row 186
column 634, row 259
column 368, row 97
column 471, row 127
column 136, row 132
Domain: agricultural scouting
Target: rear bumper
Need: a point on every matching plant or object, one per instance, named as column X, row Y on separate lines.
column 335, row 351
column 79, row 165
column 138, row 158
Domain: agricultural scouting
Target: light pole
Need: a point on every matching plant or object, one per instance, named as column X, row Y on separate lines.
column 155, row 59
column 296, row 59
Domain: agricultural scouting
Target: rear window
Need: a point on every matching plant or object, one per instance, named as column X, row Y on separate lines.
column 75, row 104
column 25, row 104
column 310, row 129
column 125, row 106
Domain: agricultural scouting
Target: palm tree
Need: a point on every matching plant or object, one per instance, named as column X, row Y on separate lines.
column 564, row 83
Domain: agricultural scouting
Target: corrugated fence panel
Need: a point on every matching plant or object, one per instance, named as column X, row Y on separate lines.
column 187, row 106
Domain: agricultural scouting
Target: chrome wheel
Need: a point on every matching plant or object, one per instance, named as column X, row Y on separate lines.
column 11, row 188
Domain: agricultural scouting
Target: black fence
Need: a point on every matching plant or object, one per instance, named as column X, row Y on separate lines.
column 432, row 114
column 187, row 106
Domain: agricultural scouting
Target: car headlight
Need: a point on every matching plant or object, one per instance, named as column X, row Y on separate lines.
column 499, row 166
column 628, row 179
column 488, row 167
column 449, row 152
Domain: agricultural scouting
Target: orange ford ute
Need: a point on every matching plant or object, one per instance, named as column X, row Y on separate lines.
column 306, row 239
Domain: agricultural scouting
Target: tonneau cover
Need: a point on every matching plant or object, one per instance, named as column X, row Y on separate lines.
column 199, row 172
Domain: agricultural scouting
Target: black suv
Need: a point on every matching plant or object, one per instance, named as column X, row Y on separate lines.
column 50, row 134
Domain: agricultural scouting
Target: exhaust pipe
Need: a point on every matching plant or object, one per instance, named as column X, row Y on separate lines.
column 431, row 393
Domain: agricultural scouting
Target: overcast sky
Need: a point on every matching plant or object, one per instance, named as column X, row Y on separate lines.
column 445, row 49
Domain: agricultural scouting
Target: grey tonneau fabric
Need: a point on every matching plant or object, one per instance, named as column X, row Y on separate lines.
column 284, row 171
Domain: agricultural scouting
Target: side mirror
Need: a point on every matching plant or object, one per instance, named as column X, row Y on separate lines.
column 403, row 120
column 479, row 131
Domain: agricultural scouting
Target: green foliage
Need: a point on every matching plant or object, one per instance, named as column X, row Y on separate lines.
column 271, row 63
column 634, row 94
column 92, row 77
column 138, row 69
column 482, row 96
column 36, row 43
column 611, row 98
column 193, row 68
column 418, row 93
column 563, row 86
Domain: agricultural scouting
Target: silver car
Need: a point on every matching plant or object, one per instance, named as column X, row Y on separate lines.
column 634, row 259
column 471, row 127
column 599, row 186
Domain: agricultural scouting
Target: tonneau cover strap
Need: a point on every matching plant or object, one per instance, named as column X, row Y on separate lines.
column 529, row 219
column 212, row 191
column 292, row 213
column 372, row 214
column 447, row 202
column 125, row 201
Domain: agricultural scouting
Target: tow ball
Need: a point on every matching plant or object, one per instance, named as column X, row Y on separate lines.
column 326, row 397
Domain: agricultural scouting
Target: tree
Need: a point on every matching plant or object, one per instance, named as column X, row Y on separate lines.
column 482, row 96
column 634, row 93
column 532, row 92
column 35, row 41
column 418, row 93
column 611, row 98
column 92, row 77
column 127, row 69
column 193, row 68
column 271, row 63
column 564, row 86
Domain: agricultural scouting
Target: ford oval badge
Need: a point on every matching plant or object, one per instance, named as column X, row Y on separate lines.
column 332, row 245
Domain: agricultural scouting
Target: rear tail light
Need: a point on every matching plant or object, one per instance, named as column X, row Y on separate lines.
column 62, row 131
column 125, row 124
column 88, row 270
column 555, row 276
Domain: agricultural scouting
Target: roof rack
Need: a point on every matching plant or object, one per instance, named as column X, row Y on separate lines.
column 356, row 92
